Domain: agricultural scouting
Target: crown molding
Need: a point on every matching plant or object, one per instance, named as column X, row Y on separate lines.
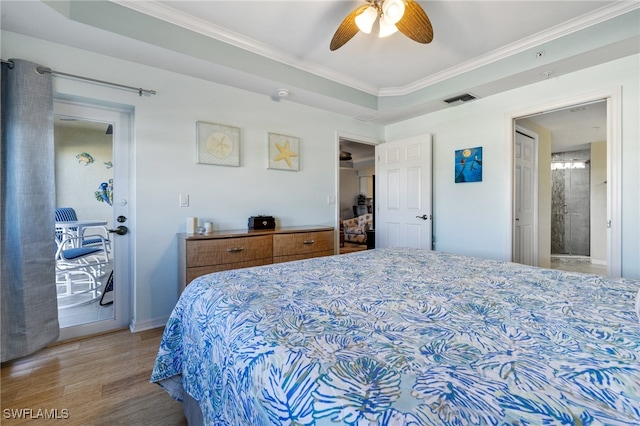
column 598, row 16
column 200, row 26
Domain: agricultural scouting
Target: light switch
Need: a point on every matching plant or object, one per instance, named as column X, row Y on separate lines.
column 184, row 200
column 331, row 199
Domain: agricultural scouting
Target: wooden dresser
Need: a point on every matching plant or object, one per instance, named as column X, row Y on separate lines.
column 223, row 250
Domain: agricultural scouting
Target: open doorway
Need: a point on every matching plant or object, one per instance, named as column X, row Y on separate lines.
column 569, row 195
column 92, row 154
column 84, row 199
column 356, row 195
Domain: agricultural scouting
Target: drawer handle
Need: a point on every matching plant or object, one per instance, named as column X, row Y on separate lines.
column 235, row 249
column 308, row 242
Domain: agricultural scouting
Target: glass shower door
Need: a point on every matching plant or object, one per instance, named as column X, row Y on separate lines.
column 570, row 222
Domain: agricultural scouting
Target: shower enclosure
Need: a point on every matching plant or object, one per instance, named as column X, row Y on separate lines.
column 570, row 203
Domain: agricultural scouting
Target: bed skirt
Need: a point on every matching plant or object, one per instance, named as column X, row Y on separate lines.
column 192, row 411
column 191, row 407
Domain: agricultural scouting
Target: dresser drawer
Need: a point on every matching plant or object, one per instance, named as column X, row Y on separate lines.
column 292, row 257
column 228, row 250
column 233, row 249
column 195, row 272
column 301, row 243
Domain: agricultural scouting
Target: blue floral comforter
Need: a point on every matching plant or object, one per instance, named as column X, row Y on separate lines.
column 405, row 337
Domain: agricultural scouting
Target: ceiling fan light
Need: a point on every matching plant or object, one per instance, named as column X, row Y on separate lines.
column 386, row 29
column 365, row 20
column 392, row 11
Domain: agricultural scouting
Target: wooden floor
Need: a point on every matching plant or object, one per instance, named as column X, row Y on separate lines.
column 352, row 247
column 101, row 380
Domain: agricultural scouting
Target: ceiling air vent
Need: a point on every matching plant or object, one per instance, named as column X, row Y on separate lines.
column 466, row 97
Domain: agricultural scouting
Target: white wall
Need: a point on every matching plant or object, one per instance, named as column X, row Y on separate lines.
column 164, row 159
column 366, row 170
column 474, row 219
column 350, row 186
column 349, row 189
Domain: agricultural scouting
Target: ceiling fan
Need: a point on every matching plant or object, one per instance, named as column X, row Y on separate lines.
column 345, row 156
column 407, row 16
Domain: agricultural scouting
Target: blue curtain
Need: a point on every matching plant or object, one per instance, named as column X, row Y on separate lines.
column 28, row 291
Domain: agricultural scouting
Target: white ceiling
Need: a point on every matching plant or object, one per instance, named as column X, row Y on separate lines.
column 481, row 47
column 575, row 127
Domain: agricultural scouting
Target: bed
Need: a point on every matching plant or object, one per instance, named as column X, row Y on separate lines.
column 400, row 336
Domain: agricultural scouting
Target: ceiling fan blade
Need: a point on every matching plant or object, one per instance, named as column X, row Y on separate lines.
column 347, row 29
column 415, row 23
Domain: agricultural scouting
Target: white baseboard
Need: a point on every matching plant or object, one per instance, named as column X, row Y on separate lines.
column 149, row 324
column 599, row 261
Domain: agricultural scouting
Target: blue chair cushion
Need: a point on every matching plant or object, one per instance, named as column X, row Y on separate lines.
column 74, row 253
column 90, row 241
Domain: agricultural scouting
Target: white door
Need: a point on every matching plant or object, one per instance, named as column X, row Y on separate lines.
column 403, row 193
column 524, row 209
column 91, row 318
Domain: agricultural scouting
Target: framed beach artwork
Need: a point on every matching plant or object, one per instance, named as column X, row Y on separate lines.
column 284, row 152
column 468, row 165
column 218, row 144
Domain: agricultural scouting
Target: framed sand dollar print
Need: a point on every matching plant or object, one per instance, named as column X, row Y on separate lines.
column 218, row 144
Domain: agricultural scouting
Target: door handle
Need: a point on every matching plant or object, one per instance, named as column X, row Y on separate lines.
column 120, row 230
column 424, row 217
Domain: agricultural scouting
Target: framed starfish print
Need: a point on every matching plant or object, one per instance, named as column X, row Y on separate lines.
column 284, row 152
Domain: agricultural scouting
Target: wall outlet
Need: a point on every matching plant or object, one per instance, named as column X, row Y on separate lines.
column 183, row 200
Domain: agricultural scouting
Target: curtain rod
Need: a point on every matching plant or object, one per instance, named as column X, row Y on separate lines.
column 42, row 70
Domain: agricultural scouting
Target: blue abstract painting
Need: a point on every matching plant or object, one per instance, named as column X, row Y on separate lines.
column 469, row 165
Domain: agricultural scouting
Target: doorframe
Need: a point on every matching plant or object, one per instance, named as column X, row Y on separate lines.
column 336, row 158
column 613, row 97
column 122, row 119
